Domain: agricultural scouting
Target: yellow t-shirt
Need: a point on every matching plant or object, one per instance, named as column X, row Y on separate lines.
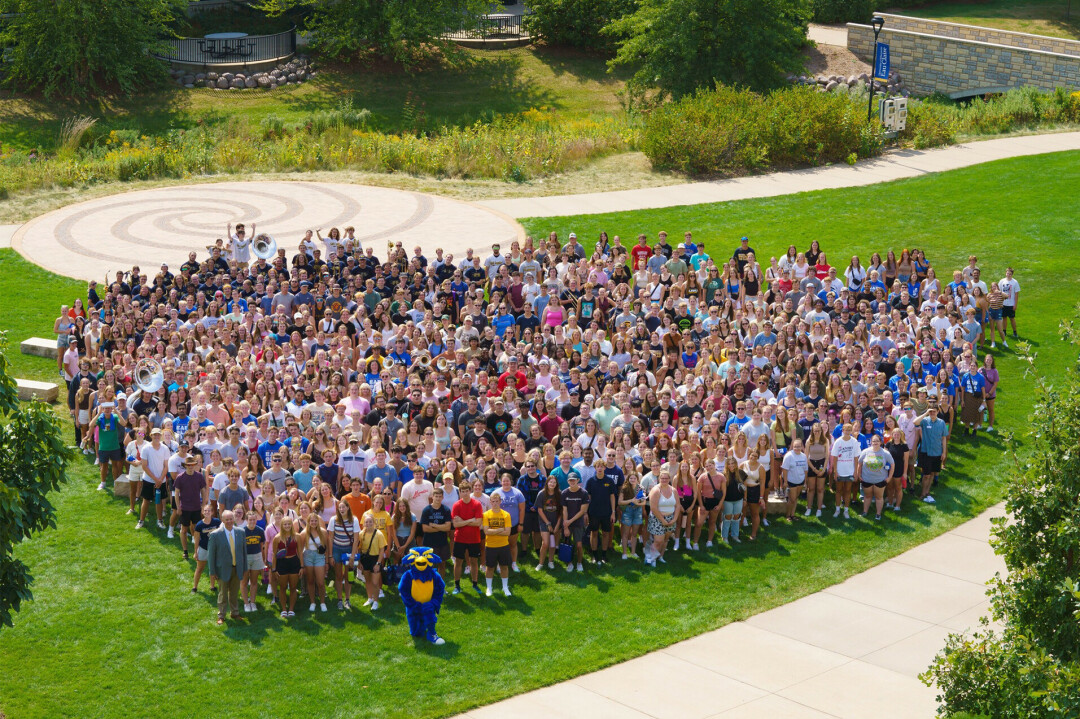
column 496, row 519
column 382, row 522
column 373, row 544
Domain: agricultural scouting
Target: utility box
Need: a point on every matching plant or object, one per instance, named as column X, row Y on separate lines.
column 893, row 113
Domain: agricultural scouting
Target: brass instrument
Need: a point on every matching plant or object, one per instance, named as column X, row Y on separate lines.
column 264, row 246
column 148, row 375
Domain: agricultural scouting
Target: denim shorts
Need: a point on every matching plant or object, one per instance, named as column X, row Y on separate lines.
column 312, row 558
column 632, row 515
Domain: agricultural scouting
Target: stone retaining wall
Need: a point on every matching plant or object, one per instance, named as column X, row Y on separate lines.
column 982, row 34
column 957, row 67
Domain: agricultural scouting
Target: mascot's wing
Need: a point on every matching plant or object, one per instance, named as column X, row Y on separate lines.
column 439, row 590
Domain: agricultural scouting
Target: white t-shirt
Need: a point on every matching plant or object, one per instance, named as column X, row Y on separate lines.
column 1011, row 288
column 846, row 452
column 221, row 481
column 418, row 496
column 156, row 459
column 241, row 249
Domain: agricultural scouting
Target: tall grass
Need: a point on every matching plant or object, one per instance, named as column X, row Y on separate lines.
column 938, row 121
column 515, row 147
column 72, row 132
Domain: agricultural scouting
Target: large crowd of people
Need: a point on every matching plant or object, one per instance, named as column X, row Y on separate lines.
column 551, row 402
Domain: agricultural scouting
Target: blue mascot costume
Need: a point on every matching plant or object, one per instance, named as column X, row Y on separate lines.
column 421, row 589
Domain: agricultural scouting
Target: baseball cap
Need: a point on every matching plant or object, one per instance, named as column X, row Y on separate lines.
column 573, row 235
column 154, row 431
column 121, row 396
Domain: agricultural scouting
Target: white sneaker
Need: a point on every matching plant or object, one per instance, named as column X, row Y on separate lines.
column 580, row 568
column 551, row 565
column 836, row 513
column 676, row 545
column 515, row 567
column 569, row 567
column 311, row 607
column 993, row 345
column 928, row 499
column 764, row 522
column 661, row 560
column 539, row 567
column 846, row 515
column 381, row 594
column 171, row 534
column 624, row 555
column 807, row 512
column 696, row 547
column 506, row 592
column 1004, row 344
column 817, row 513
column 269, row 590
column 322, row 606
column 708, row 544
column 367, row 603
column 101, row 487
column 161, row 525
column 468, row 569
column 139, row 524
column 488, row 592
column 130, row 511
column 374, row 606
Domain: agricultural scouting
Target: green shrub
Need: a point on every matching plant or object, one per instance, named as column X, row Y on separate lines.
column 575, row 23
column 730, row 131
column 929, row 125
column 516, row 147
column 841, row 10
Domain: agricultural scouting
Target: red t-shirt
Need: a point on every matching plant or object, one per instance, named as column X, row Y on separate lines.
column 641, row 255
column 467, row 510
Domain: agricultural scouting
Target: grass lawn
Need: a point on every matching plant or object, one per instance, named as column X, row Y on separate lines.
column 1039, row 17
column 115, row 631
column 484, row 82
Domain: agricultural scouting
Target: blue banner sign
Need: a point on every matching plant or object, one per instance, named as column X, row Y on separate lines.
column 881, row 62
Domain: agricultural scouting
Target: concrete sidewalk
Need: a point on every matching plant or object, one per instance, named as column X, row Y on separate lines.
column 892, row 166
column 853, row 650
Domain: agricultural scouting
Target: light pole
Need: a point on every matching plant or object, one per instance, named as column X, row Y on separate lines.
column 877, row 22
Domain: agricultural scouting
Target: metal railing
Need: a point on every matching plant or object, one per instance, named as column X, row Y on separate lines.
column 490, row 26
column 257, row 48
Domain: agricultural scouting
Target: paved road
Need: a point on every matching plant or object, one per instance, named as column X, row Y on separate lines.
column 852, row 651
column 892, row 166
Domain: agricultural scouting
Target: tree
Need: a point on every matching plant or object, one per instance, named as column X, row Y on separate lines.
column 577, row 23
column 679, row 46
column 405, row 31
column 77, row 48
column 33, row 459
column 1032, row 667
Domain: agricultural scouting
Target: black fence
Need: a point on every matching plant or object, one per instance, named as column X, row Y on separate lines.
column 257, row 48
column 490, row 26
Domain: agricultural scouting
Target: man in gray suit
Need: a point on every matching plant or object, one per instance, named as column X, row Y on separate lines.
column 227, row 559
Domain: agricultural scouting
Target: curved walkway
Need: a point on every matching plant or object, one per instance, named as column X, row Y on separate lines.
column 891, row 166
column 853, row 650
column 148, row 227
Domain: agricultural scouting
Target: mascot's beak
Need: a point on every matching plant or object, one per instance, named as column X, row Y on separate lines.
column 421, row 564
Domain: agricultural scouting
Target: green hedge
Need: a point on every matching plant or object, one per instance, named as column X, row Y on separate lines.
column 729, row 131
column 576, row 23
column 842, row 10
column 937, row 121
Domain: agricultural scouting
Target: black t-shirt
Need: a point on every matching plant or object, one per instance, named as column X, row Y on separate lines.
column 499, row 425
column 430, row 515
column 569, row 411
column 601, row 489
column 572, row 503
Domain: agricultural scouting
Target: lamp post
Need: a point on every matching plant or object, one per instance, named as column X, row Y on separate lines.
column 877, row 22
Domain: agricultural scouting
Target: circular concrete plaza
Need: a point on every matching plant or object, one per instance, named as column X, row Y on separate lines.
column 148, row 227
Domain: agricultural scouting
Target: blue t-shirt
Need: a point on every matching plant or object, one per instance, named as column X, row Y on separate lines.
column 972, row 382
column 934, row 432
column 304, row 480
column 267, row 450
column 502, row 323
column 510, row 499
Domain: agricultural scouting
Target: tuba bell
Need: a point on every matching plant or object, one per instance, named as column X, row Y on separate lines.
column 443, row 364
column 423, row 361
column 388, row 363
column 264, row 246
column 148, row 375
